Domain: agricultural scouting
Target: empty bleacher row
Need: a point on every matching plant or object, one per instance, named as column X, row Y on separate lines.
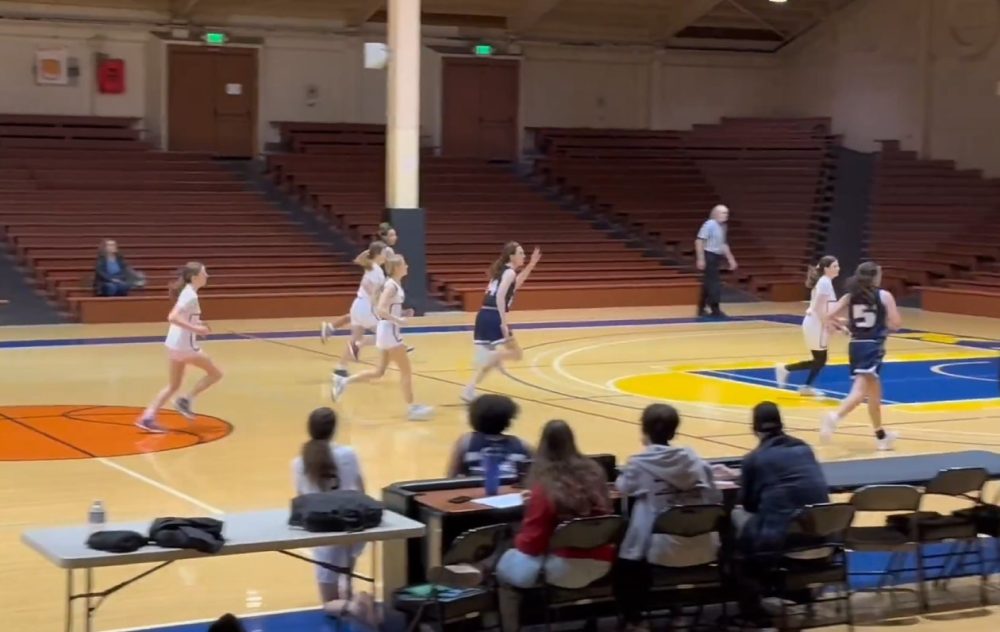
column 936, row 227
column 57, row 204
column 774, row 174
column 473, row 207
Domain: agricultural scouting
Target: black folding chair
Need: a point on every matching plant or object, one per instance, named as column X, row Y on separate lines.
column 677, row 587
column 813, row 559
column 582, row 534
column 449, row 603
column 960, row 529
column 885, row 538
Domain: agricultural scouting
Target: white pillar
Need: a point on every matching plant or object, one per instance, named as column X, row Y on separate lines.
column 402, row 172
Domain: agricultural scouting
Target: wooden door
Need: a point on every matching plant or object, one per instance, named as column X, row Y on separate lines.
column 190, row 101
column 479, row 108
column 212, row 100
column 460, row 108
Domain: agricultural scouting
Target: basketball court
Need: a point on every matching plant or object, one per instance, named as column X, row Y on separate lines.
column 71, row 393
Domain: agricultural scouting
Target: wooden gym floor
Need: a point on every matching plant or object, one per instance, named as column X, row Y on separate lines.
column 70, row 393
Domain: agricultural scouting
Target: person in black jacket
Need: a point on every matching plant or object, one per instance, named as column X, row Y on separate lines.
column 777, row 479
column 112, row 275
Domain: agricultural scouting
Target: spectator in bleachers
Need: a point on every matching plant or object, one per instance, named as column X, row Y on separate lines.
column 659, row 477
column 562, row 485
column 322, row 467
column 490, row 416
column 777, row 479
column 112, row 274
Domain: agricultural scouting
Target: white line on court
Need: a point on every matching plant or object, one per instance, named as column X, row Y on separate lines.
column 940, row 370
column 609, row 386
column 160, row 486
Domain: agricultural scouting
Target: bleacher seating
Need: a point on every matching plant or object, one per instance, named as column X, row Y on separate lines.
column 936, row 227
column 663, row 183
column 473, row 207
column 57, row 203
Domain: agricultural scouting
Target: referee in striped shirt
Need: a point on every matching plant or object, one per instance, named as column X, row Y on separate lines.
column 711, row 247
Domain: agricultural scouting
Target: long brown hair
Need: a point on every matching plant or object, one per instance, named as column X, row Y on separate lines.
column 367, row 258
column 185, row 274
column 815, row 272
column 317, row 461
column 498, row 266
column 863, row 284
column 576, row 485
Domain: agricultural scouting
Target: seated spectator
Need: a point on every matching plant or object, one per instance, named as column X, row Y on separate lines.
column 660, row 477
column 563, row 484
column 322, row 467
column 490, row 416
column 777, row 479
column 112, row 275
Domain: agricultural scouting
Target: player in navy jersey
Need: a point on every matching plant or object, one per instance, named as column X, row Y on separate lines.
column 492, row 329
column 871, row 315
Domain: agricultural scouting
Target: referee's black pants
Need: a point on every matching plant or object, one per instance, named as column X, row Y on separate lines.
column 711, row 284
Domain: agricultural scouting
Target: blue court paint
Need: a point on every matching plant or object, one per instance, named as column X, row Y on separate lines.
column 305, row 621
column 316, row 621
column 906, row 382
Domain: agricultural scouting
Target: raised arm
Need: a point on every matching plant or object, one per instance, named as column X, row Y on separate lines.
column 522, row 276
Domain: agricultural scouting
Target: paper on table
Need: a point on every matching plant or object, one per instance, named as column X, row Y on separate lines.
column 503, row 501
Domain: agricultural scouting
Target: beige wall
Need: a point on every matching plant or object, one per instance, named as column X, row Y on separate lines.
column 921, row 71
column 578, row 87
column 693, row 88
column 20, row 94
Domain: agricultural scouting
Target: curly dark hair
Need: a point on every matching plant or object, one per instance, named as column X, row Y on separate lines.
column 492, row 414
column 576, row 485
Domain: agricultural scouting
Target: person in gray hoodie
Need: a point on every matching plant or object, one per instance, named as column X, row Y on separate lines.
column 660, row 477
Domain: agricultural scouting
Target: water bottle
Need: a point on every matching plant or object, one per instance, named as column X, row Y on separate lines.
column 491, row 470
column 96, row 517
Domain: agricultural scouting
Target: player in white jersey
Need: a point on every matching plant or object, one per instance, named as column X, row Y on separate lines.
column 362, row 314
column 182, row 347
column 389, row 341
column 816, row 325
column 387, row 235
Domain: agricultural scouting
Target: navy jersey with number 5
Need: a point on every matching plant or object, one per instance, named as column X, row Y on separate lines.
column 868, row 318
column 488, row 329
column 867, row 322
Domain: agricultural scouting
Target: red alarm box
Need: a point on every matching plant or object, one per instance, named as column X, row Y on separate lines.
column 111, row 76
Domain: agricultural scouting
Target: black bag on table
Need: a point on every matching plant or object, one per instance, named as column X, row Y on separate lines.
column 117, row 541
column 200, row 534
column 336, row 511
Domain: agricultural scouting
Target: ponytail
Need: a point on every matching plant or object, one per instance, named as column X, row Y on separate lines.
column 184, row 276
column 317, row 460
column 367, row 257
column 813, row 273
column 812, row 276
column 498, row 266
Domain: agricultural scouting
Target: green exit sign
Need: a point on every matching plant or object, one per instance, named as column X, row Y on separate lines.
column 483, row 49
column 215, row 39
